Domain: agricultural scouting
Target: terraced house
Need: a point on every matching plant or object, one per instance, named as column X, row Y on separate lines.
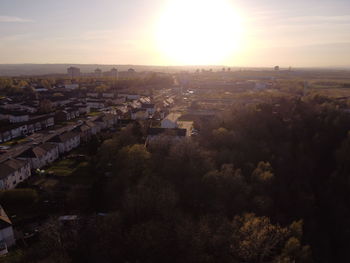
column 66, row 141
column 41, row 155
column 12, row 172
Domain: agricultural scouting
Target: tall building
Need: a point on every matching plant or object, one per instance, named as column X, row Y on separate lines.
column 73, row 72
column 131, row 72
column 114, row 73
column 98, row 73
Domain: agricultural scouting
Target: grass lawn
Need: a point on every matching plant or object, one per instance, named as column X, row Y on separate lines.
column 13, row 256
column 71, row 172
column 81, row 175
column 94, row 113
column 63, row 167
column 46, row 183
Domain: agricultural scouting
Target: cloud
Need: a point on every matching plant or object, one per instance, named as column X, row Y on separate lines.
column 13, row 19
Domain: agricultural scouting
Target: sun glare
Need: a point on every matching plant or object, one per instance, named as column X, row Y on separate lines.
column 197, row 32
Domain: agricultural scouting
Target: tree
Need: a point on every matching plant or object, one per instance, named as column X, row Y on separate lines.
column 134, row 160
column 18, row 197
column 255, row 239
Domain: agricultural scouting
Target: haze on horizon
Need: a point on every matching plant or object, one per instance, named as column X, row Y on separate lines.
column 297, row 33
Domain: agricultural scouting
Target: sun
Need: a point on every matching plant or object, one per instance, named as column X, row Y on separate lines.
column 198, row 32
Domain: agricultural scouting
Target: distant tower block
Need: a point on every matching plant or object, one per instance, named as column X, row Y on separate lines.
column 98, row 73
column 73, row 72
column 114, row 73
column 131, row 72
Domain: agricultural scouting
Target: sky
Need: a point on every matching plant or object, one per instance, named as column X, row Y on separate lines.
column 298, row 33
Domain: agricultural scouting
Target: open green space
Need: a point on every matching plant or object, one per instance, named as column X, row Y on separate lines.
column 63, row 167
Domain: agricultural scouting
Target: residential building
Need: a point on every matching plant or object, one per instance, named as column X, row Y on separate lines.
column 71, row 86
column 92, row 94
column 106, row 121
column 95, row 103
column 130, row 96
column 114, row 73
column 66, row 141
column 85, row 132
column 14, row 116
column 139, row 114
column 108, row 95
column 95, row 129
column 170, row 121
column 67, row 114
column 150, row 108
column 73, row 72
column 41, row 155
column 12, row 172
column 7, row 237
column 98, row 73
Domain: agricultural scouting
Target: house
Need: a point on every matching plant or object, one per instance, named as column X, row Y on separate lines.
column 67, row 114
column 12, row 131
column 110, row 119
column 71, row 86
column 12, row 172
column 92, row 94
column 130, row 96
column 5, row 135
column 119, row 100
column 40, row 123
column 7, row 237
column 47, row 122
column 66, row 141
column 40, row 89
column 16, row 130
column 170, row 121
column 62, row 116
column 145, row 100
column 139, row 114
column 108, row 95
column 159, row 115
column 59, row 101
column 150, row 108
column 260, row 86
column 94, row 127
column 14, row 116
column 41, row 155
column 95, row 103
column 19, row 117
column 83, row 108
column 85, row 132
column 106, row 121
column 24, row 107
column 168, row 102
